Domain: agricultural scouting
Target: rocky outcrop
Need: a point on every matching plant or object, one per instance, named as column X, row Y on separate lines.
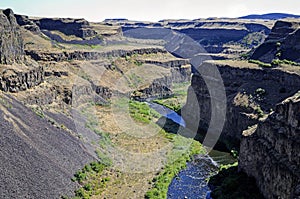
column 27, row 23
column 78, row 27
column 245, row 104
column 270, row 151
column 180, row 68
column 15, row 76
column 282, row 43
column 181, row 74
column 14, row 81
column 89, row 55
column 167, row 64
column 58, row 38
column 11, row 43
column 158, row 89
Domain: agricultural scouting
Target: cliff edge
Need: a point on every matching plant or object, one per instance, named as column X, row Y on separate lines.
column 270, row 151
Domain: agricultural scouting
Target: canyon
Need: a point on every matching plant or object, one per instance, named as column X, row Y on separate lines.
column 65, row 84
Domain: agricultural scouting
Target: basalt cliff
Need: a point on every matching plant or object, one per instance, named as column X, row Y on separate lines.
column 282, row 43
column 262, row 110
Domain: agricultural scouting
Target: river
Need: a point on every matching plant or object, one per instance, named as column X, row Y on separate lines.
column 191, row 183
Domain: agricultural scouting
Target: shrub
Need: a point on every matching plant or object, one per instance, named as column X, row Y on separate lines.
column 80, row 176
column 260, row 91
column 259, row 112
column 278, row 44
column 259, row 63
column 82, row 194
column 275, row 62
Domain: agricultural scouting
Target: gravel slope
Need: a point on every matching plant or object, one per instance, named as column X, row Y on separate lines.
column 37, row 159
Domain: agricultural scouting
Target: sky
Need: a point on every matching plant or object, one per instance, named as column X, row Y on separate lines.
column 154, row 10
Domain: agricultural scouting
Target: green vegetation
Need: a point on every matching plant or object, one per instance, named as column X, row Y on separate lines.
column 5, row 102
column 278, row 62
column 89, row 179
column 141, row 112
column 260, row 91
column 245, row 56
column 178, row 99
column 278, row 44
column 183, row 150
column 259, row 63
column 38, row 112
column 230, row 183
column 253, row 39
column 91, row 176
column 134, row 80
column 234, row 153
column 169, row 103
column 138, row 63
column 259, row 112
column 132, row 59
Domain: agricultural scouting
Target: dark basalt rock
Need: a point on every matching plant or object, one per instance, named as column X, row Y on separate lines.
column 158, row 89
column 27, row 23
column 282, row 43
column 270, row 152
column 238, row 115
column 11, row 43
column 78, row 27
column 89, row 55
column 13, row 81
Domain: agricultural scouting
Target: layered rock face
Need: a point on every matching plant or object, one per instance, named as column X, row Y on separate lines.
column 282, row 43
column 270, row 151
column 210, row 33
column 14, row 81
column 17, row 76
column 78, row 27
column 11, row 44
column 89, row 55
column 243, row 100
column 159, row 88
column 28, row 24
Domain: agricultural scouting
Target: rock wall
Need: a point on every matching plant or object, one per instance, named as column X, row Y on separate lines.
column 11, row 43
column 211, row 34
column 243, row 101
column 78, row 27
column 282, row 43
column 159, row 88
column 14, row 81
column 28, row 24
column 180, row 68
column 270, row 151
column 89, row 55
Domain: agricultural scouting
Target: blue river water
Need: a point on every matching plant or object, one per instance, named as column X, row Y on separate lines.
column 191, row 183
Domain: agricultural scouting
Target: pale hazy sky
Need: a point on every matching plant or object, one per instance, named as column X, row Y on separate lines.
column 154, row 10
